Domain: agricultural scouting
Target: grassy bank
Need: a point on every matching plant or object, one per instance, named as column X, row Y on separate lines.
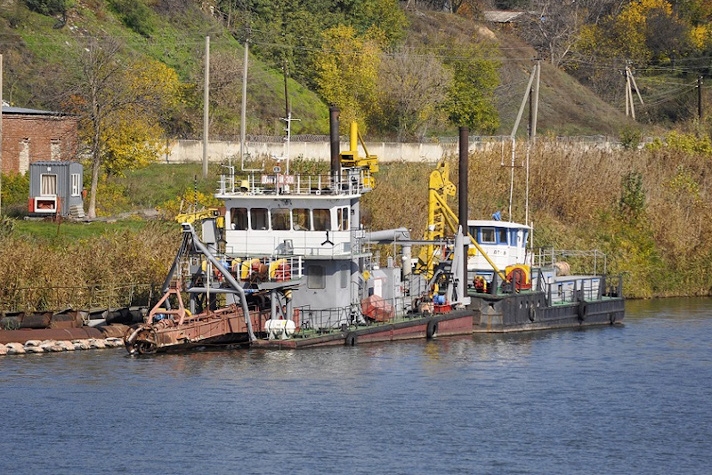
column 648, row 210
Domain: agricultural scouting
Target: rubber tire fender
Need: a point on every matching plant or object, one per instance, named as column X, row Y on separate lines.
column 582, row 310
column 432, row 329
column 351, row 339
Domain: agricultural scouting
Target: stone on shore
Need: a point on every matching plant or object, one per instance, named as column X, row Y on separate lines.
column 15, row 349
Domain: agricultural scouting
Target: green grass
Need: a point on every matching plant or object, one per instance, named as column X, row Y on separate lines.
column 67, row 231
column 154, row 185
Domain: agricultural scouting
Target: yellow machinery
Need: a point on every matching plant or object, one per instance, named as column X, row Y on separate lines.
column 351, row 158
column 443, row 223
column 201, row 215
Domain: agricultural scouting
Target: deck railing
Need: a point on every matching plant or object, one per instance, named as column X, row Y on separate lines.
column 349, row 181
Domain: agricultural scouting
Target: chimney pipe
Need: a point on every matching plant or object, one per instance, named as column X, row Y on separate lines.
column 462, row 190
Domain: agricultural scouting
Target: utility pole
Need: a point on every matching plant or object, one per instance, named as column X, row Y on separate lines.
column 629, row 85
column 206, row 107
column 288, row 119
column 527, row 96
column 1, row 102
column 699, row 98
column 243, row 111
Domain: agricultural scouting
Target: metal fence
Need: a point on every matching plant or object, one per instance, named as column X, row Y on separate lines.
column 39, row 299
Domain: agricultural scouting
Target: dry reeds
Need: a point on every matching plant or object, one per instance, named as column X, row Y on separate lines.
column 575, row 193
column 111, row 270
column 649, row 210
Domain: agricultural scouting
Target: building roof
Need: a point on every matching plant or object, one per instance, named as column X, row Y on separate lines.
column 498, row 16
column 24, row 111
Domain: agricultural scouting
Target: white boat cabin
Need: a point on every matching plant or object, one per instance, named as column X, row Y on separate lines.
column 313, row 223
column 504, row 242
column 292, row 215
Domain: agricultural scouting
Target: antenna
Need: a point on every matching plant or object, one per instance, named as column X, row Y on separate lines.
column 243, row 117
column 287, row 119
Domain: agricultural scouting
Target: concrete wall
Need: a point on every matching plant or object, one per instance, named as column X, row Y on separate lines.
column 185, row 151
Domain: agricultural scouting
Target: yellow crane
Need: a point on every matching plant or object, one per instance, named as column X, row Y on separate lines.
column 443, row 222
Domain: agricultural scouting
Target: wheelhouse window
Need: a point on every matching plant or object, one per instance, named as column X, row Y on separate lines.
column 238, row 218
column 487, row 236
column 300, row 219
column 316, row 277
column 518, row 237
column 493, row 236
column 342, row 218
column 322, row 220
column 280, row 219
column 344, row 274
column 259, row 218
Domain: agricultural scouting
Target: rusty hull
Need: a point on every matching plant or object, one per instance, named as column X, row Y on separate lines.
column 224, row 326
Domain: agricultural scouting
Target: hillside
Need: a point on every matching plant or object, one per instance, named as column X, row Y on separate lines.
column 565, row 106
column 41, row 54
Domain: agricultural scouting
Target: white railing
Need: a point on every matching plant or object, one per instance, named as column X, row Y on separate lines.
column 349, row 182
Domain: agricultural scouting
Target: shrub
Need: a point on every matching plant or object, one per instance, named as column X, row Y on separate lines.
column 49, row 7
column 630, row 138
column 632, row 202
column 15, row 189
column 135, row 15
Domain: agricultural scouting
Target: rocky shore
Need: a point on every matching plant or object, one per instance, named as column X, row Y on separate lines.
column 28, row 341
column 55, row 346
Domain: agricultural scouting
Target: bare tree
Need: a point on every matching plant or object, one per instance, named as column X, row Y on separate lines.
column 553, row 26
column 100, row 70
column 411, row 87
column 116, row 100
column 226, row 70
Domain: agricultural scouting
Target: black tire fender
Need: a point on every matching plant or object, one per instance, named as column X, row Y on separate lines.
column 432, row 329
column 351, row 339
column 582, row 310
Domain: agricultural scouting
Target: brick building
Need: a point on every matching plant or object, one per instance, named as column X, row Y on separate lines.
column 30, row 136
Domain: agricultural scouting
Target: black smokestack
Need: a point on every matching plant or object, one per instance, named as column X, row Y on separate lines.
column 334, row 139
column 462, row 188
column 462, row 193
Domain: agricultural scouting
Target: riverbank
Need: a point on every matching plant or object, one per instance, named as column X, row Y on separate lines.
column 52, row 340
column 57, row 346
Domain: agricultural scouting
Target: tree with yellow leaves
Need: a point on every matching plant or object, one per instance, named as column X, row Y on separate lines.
column 347, row 70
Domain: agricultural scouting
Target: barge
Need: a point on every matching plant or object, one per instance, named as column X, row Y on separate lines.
column 287, row 264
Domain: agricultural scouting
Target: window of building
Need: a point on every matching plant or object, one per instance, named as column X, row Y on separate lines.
column 316, row 277
column 238, row 219
column 76, row 184
column 48, row 185
column 280, row 219
column 322, row 220
column 55, row 150
column 24, row 155
column 259, row 218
